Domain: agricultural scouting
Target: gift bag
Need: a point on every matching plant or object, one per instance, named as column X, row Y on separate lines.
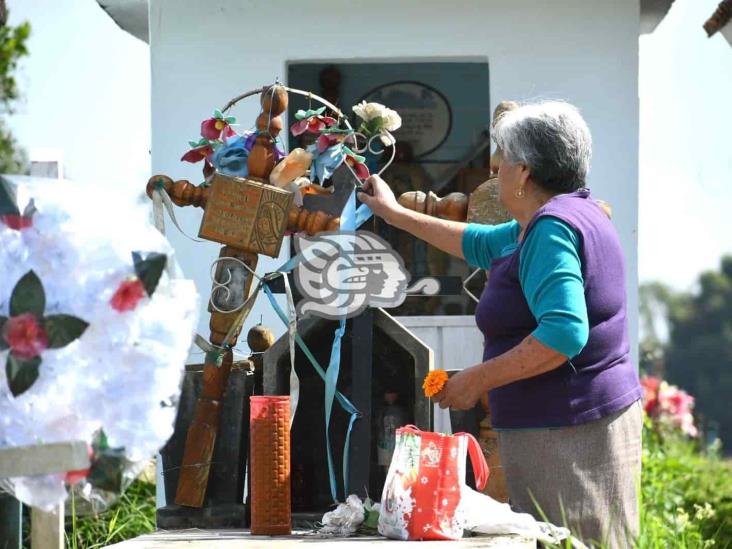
column 422, row 493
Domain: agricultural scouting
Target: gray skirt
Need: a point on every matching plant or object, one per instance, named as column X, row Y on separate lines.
column 585, row 477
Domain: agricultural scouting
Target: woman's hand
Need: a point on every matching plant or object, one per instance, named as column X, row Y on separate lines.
column 379, row 197
column 463, row 390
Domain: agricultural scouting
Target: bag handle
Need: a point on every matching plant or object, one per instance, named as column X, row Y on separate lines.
column 477, row 458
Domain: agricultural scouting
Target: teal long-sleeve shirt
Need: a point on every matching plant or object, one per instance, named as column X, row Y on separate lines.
column 550, row 273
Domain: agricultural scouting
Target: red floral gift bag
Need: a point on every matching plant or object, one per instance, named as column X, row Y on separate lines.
column 422, row 493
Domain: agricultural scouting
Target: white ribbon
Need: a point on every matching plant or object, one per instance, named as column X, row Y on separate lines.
column 292, row 332
column 160, row 200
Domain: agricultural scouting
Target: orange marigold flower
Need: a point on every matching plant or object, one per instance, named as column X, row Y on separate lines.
column 434, row 382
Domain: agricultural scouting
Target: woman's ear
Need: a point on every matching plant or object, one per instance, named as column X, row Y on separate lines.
column 524, row 174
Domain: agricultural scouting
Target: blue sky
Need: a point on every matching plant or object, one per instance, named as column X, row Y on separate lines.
column 86, row 90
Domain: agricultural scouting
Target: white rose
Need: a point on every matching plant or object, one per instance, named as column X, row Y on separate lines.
column 369, row 111
column 392, row 120
column 360, row 110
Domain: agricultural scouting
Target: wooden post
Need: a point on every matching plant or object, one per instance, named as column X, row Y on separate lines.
column 47, row 528
column 264, row 237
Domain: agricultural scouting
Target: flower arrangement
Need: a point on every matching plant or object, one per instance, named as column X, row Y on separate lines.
column 330, row 149
column 223, row 149
column 377, row 120
column 434, row 382
column 668, row 405
column 94, row 334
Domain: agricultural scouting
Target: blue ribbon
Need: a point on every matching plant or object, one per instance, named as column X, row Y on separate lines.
column 342, row 400
column 351, row 217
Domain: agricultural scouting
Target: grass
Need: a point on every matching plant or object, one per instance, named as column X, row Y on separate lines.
column 132, row 515
column 686, row 494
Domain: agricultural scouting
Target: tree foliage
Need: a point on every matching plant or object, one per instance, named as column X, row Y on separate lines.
column 698, row 354
column 12, row 48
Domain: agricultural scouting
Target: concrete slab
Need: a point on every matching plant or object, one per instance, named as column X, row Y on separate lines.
column 242, row 539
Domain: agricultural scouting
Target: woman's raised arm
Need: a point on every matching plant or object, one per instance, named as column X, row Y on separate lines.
column 441, row 233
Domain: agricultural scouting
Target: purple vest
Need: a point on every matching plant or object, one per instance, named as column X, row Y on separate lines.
column 600, row 380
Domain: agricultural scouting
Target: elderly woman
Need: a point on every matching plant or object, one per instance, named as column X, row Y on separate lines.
column 563, row 392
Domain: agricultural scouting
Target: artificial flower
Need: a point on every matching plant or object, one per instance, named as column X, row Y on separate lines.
column 231, row 157
column 312, row 121
column 357, row 163
column 377, row 117
column 27, row 333
column 128, row 295
column 218, row 127
column 434, row 382
column 201, row 149
column 10, row 214
column 25, row 336
column 17, row 222
column 327, row 140
column 74, row 477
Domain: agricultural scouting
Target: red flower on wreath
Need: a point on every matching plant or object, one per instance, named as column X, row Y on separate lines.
column 17, row 222
column 25, row 336
column 128, row 295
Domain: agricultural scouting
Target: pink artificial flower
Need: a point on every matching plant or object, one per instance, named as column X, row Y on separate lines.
column 197, row 154
column 17, row 222
column 327, row 140
column 128, row 295
column 26, row 337
column 312, row 124
column 216, row 128
column 360, row 169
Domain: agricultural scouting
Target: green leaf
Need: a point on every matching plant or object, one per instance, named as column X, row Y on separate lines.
column 218, row 114
column 3, row 344
column 63, row 329
column 149, row 269
column 21, row 373
column 28, row 296
column 8, row 201
column 230, row 120
column 375, row 124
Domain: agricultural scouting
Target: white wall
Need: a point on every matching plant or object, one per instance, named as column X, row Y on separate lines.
column 584, row 51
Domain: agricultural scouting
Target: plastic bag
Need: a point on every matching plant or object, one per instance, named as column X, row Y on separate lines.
column 422, row 493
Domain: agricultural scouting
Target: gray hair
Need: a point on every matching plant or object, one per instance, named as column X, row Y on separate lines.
column 552, row 139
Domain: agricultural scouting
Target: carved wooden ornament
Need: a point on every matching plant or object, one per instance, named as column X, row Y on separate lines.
column 246, row 214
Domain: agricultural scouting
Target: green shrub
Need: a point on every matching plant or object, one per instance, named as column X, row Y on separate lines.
column 686, row 494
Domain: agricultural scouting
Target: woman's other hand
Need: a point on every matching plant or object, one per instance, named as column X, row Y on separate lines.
column 463, row 390
column 379, row 197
